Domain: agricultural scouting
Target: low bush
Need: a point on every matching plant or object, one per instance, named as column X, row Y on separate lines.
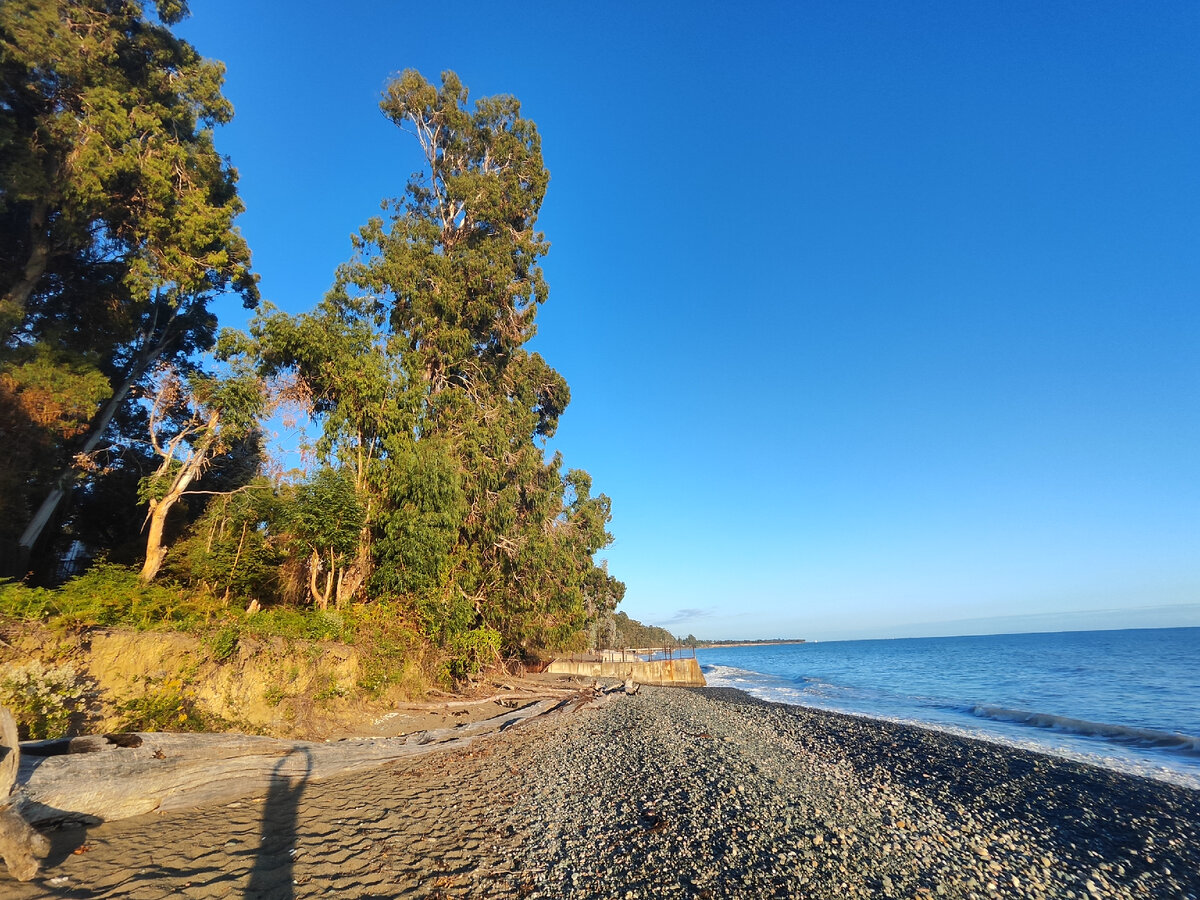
column 42, row 700
column 112, row 595
column 167, row 706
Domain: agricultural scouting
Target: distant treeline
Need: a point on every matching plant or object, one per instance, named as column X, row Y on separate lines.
column 620, row 631
column 133, row 429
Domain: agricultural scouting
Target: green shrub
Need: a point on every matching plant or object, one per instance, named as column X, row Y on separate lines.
column 167, row 707
column 225, row 642
column 301, row 624
column 472, row 651
column 111, row 595
column 41, row 699
column 20, row 602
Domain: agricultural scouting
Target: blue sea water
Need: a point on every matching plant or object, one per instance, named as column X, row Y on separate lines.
column 1127, row 700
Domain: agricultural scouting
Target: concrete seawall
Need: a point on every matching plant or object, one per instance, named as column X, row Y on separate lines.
column 664, row 672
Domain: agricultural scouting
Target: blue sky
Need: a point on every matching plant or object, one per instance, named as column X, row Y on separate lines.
column 879, row 318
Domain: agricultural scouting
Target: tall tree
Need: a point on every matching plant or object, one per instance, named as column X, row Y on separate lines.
column 456, row 266
column 338, row 356
column 116, row 211
column 106, row 150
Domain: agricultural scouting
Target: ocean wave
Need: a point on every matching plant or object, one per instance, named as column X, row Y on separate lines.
column 1124, row 734
column 723, row 674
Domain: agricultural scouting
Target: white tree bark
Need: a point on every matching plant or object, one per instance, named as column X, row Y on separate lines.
column 21, row 847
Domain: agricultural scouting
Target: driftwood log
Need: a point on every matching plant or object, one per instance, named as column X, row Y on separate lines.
column 107, row 777
column 21, row 847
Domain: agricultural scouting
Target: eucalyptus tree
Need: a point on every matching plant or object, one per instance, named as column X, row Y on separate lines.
column 116, row 215
column 455, row 265
column 194, row 420
column 337, row 357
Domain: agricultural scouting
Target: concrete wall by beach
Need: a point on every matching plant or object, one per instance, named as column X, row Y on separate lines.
column 665, row 672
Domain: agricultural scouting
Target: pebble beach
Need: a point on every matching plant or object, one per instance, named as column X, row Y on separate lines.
column 705, row 793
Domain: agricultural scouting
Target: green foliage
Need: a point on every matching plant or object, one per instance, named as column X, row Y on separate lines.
column 116, row 230
column 622, row 631
column 235, row 547
column 472, row 651
column 106, row 120
column 166, row 705
column 224, row 642
column 108, row 595
column 392, row 647
column 197, row 425
column 47, row 398
column 421, row 514
column 325, row 515
column 301, row 624
column 41, row 699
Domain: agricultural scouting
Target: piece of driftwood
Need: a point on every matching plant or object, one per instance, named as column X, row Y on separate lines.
column 120, row 776
column 495, row 698
column 10, row 753
column 21, row 847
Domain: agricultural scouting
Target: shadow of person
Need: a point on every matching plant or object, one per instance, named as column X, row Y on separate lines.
column 272, row 877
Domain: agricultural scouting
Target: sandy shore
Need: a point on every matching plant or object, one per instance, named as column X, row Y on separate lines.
column 672, row 793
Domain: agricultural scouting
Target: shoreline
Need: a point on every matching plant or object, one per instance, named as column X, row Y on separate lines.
column 674, row 792
column 1148, row 767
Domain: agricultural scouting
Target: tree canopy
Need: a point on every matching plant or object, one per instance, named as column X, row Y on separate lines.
column 429, row 484
column 417, row 366
column 116, row 231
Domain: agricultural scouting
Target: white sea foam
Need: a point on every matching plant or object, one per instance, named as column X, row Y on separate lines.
column 1146, row 737
column 1077, row 740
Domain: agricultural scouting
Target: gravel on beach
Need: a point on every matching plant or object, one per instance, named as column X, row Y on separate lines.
column 705, row 793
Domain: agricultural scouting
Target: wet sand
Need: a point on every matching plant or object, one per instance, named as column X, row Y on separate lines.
column 671, row 793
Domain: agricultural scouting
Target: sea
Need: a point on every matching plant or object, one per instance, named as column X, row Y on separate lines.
column 1125, row 700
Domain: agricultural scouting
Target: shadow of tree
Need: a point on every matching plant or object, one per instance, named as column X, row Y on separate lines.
column 272, row 877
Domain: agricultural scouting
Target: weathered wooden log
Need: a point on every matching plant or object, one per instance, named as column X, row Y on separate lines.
column 10, row 753
column 178, row 771
column 495, row 698
column 21, row 847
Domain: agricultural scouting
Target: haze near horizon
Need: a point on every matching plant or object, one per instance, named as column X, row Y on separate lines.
column 875, row 317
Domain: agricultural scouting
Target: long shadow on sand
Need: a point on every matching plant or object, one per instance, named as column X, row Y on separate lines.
column 272, row 875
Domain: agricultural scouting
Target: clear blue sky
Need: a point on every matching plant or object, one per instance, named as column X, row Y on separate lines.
column 876, row 316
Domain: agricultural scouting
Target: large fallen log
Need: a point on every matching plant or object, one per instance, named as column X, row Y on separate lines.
column 21, row 847
column 495, row 698
column 117, row 776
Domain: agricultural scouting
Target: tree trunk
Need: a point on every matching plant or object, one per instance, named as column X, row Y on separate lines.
column 155, row 551
column 62, row 484
column 160, row 509
column 356, row 573
column 16, row 299
column 320, row 598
